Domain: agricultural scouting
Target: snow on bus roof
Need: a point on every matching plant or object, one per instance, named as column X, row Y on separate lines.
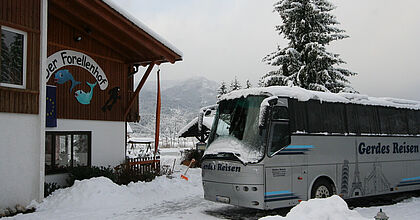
column 142, row 26
column 304, row 95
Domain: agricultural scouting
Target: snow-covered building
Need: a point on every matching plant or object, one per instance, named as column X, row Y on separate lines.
column 200, row 126
column 67, row 88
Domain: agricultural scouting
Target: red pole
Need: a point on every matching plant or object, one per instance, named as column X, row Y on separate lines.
column 158, row 102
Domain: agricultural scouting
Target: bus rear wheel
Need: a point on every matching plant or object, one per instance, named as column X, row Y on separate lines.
column 322, row 189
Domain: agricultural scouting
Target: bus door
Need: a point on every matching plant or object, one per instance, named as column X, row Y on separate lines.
column 299, row 175
column 286, row 165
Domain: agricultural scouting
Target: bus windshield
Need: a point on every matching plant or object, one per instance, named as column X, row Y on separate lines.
column 235, row 131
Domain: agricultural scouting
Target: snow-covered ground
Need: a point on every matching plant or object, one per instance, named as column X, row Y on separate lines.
column 175, row 198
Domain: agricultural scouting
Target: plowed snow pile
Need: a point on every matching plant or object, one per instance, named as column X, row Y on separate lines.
column 329, row 208
column 100, row 198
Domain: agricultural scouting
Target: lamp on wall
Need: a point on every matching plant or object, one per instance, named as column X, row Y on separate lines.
column 77, row 38
column 133, row 69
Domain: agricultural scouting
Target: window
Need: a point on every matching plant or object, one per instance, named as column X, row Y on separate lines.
column 362, row 119
column 315, row 117
column 280, row 113
column 279, row 131
column 66, row 149
column 393, row 120
column 334, row 115
column 413, row 120
column 298, row 116
column 13, row 58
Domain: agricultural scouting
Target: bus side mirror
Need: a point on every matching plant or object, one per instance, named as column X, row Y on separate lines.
column 263, row 118
column 265, row 109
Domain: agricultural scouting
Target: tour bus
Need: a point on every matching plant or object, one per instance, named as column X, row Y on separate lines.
column 274, row 147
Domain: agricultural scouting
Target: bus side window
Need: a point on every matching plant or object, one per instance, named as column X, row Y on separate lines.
column 279, row 113
column 279, row 131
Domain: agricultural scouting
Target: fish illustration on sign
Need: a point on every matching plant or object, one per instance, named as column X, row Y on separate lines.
column 62, row 76
column 83, row 97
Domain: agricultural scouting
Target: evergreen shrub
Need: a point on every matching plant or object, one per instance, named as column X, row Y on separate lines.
column 81, row 173
column 50, row 188
column 193, row 154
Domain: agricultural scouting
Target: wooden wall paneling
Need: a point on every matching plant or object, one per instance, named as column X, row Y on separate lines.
column 18, row 103
column 60, row 37
column 37, row 56
column 23, row 15
column 61, row 34
column 68, row 107
column 94, row 21
column 105, row 40
column 6, row 102
column 9, row 9
column 30, row 61
column 2, row 100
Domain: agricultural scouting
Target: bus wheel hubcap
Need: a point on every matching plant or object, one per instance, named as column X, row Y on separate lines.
column 322, row 192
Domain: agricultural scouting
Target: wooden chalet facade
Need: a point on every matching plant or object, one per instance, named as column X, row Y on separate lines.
column 66, row 98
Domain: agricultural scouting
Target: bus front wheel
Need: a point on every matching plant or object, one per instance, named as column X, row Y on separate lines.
column 322, row 188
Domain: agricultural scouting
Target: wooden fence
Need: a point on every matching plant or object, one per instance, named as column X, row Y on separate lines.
column 141, row 165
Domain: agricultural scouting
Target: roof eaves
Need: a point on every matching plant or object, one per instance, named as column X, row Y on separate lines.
column 146, row 29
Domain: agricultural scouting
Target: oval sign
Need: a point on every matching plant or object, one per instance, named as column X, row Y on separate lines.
column 74, row 58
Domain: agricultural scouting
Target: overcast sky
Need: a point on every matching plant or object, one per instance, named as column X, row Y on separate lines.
column 221, row 39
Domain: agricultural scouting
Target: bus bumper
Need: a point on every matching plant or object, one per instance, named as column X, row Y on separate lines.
column 251, row 196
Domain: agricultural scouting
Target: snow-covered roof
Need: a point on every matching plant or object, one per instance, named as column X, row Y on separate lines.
column 207, row 122
column 142, row 26
column 304, row 95
column 141, row 140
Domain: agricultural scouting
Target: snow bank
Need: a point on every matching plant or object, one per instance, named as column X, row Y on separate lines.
column 100, row 198
column 304, row 95
column 163, row 198
column 92, row 194
column 321, row 209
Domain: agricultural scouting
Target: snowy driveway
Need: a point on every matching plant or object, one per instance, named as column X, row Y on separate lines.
column 175, row 198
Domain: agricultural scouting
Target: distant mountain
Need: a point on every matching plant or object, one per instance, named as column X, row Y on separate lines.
column 181, row 101
column 191, row 94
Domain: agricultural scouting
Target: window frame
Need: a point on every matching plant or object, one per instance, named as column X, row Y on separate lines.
column 54, row 169
column 24, row 58
column 270, row 135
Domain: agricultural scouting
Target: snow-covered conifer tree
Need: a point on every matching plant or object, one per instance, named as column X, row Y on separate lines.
column 261, row 82
column 222, row 89
column 235, row 85
column 248, row 84
column 309, row 27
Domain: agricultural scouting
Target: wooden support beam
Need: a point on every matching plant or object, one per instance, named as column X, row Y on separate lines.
column 136, row 93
